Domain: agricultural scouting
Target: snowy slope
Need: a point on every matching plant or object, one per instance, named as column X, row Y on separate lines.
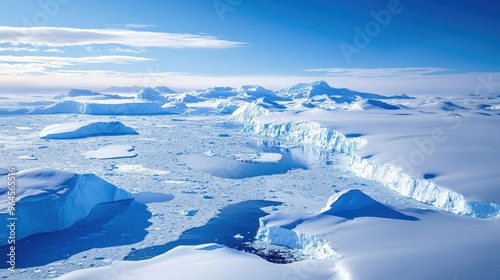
column 209, row 261
column 50, row 200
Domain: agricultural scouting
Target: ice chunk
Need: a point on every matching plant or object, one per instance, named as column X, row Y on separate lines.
column 30, row 157
column 85, row 129
column 259, row 157
column 112, row 151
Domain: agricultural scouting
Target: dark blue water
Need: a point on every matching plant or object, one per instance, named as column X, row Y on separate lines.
column 300, row 157
column 111, row 224
column 240, row 218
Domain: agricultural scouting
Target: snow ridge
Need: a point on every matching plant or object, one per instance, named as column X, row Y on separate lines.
column 311, row 132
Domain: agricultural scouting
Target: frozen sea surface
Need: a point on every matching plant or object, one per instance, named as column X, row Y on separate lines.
column 193, row 197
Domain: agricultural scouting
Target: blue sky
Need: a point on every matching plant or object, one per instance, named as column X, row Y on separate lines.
column 418, row 47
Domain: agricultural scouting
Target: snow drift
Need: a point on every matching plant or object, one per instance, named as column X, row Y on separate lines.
column 50, row 200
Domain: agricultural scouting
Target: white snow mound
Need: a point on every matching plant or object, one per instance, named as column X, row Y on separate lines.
column 349, row 200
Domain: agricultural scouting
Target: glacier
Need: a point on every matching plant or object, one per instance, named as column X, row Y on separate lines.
column 263, row 122
column 49, row 200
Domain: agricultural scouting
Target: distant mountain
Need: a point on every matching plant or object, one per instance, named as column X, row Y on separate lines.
column 86, row 93
column 164, row 89
column 339, row 95
column 132, row 89
column 254, row 92
column 215, row 92
column 151, row 94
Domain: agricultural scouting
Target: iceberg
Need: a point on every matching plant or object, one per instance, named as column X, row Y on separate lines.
column 77, row 130
column 49, row 200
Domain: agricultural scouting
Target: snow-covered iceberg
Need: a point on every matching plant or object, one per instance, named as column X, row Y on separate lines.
column 85, row 129
column 49, row 200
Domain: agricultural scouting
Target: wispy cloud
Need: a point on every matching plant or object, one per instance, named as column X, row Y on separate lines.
column 18, row 49
column 125, row 50
column 43, row 63
column 380, row 72
column 132, row 25
column 62, row 37
column 10, row 48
